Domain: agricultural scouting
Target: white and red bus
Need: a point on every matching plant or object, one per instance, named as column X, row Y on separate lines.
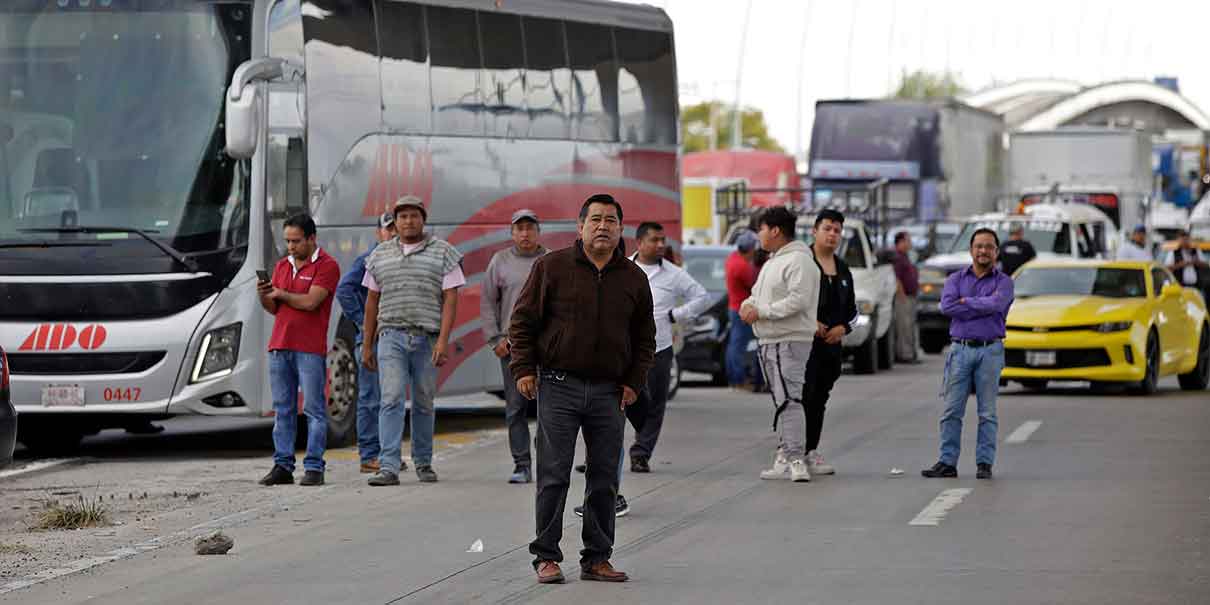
column 150, row 150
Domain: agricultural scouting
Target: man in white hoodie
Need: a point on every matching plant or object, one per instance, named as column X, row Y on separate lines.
column 782, row 311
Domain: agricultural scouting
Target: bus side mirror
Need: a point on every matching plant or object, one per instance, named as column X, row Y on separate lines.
column 243, row 106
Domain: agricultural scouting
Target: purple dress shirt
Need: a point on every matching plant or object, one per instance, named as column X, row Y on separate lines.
column 987, row 299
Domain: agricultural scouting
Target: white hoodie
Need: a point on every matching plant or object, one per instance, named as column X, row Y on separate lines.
column 786, row 296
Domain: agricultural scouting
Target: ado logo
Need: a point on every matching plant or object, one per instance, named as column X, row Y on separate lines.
column 59, row 337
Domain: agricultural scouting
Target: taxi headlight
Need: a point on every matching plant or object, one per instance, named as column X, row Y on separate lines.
column 217, row 354
column 1114, row 326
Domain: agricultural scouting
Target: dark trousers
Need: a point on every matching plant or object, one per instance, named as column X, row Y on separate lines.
column 653, row 401
column 567, row 404
column 515, row 407
column 823, row 368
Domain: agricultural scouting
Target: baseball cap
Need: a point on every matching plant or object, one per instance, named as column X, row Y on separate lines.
column 410, row 201
column 386, row 220
column 746, row 241
column 1140, row 228
column 524, row 214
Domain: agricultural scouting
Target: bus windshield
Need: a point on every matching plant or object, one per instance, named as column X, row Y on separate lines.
column 110, row 115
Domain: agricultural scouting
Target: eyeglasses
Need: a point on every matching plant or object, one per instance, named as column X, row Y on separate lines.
column 984, row 246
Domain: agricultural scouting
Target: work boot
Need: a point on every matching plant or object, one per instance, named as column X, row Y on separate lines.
column 984, row 471
column 311, row 478
column 940, row 470
column 426, row 474
column 639, row 464
column 277, row 476
column 549, row 573
column 602, row 572
column 371, row 466
column 383, row 478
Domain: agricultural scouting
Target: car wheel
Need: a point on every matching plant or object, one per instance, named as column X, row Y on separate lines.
column 1199, row 377
column 933, row 343
column 342, row 395
column 1034, row 384
column 1151, row 375
column 886, row 348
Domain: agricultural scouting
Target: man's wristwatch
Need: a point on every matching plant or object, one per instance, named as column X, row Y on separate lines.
column 671, row 317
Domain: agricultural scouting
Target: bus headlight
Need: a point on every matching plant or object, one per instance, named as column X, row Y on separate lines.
column 217, row 354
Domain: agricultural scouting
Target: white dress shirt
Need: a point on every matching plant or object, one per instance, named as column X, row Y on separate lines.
column 670, row 284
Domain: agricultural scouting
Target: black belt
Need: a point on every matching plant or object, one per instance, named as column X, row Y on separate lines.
column 970, row 342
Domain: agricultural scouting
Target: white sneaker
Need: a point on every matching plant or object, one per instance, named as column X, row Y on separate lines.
column 818, row 465
column 780, row 468
column 799, row 472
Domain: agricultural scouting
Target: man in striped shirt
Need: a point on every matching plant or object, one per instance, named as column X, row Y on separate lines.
column 412, row 282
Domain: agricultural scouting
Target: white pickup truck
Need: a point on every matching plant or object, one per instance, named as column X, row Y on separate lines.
column 872, row 341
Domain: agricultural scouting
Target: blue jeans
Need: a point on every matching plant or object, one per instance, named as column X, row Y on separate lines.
column 965, row 367
column 736, row 361
column 405, row 360
column 288, row 370
column 368, row 404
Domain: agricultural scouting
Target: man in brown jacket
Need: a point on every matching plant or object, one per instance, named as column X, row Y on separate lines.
column 583, row 340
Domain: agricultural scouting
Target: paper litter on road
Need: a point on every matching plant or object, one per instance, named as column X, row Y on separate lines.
column 476, row 547
column 895, row 472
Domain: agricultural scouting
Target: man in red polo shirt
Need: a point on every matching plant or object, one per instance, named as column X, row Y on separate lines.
column 740, row 274
column 300, row 298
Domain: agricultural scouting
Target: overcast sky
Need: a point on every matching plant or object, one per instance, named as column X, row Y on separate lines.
column 980, row 40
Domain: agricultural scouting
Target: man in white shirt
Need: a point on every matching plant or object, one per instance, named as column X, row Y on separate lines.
column 670, row 284
column 1135, row 248
column 1186, row 262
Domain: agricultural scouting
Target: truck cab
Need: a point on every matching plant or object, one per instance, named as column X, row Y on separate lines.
column 1055, row 230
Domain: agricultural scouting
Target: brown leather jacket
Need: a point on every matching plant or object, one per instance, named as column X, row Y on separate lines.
column 596, row 325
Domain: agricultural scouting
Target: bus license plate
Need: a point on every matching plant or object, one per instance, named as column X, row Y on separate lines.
column 1040, row 358
column 62, row 395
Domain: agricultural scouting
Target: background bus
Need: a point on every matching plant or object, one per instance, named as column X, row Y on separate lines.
column 114, row 117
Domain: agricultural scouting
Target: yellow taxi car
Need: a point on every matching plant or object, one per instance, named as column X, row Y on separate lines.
column 1105, row 322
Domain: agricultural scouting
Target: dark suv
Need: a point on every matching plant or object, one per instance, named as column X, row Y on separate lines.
column 705, row 338
column 8, row 415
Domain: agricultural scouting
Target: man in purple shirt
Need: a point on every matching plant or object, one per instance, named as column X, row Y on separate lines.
column 976, row 299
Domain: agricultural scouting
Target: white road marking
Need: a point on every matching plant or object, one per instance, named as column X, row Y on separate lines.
column 36, row 466
column 937, row 509
column 1023, row 432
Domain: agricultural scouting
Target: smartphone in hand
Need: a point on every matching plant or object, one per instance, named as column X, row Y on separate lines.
column 262, row 276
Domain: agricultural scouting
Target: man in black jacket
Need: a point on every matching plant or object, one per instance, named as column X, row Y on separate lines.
column 1016, row 251
column 583, row 341
column 836, row 314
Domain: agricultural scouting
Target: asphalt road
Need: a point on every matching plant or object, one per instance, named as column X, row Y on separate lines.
column 1097, row 499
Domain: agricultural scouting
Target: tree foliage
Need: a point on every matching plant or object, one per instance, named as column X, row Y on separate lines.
column 922, row 85
column 695, row 128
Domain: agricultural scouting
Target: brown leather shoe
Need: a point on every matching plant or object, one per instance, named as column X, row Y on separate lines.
column 371, row 467
column 549, row 573
column 603, row 572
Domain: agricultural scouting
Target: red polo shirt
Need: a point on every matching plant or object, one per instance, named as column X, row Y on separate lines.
column 304, row 331
column 741, row 276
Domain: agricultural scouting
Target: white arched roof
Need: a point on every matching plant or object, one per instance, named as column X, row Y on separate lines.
column 1110, row 94
column 1021, row 88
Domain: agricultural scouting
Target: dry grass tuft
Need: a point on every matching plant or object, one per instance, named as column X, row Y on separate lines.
column 73, row 515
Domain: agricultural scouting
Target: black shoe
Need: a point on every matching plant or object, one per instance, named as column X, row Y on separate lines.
column 581, row 468
column 984, row 472
column 426, row 474
column 638, row 464
column 277, row 476
column 940, row 470
column 620, row 508
column 383, row 478
column 312, row 478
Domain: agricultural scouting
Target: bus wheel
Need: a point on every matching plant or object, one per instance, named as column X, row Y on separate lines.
column 342, row 395
column 44, row 439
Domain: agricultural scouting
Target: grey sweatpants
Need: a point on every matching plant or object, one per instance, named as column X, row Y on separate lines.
column 785, row 366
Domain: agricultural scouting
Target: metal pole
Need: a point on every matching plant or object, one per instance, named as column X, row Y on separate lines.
column 848, row 68
column 736, row 118
column 802, row 59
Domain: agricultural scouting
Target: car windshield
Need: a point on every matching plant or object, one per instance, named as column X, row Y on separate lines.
column 709, row 270
column 1044, row 235
column 1079, row 281
column 110, row 115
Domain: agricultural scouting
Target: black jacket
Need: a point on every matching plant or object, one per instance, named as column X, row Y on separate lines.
column 837, row 298
column 597, row 325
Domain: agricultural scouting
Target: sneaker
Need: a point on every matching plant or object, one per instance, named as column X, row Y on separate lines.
column 620, row 508
column 639, row 464
column 371, row 466
column 780, row 469
column 311, row 478
column 940, row 470
column 520, row 474
column 817, row 465
column 984, row 471
column 383, row 478
column 799, row 472
column 277, row 476
column 426, row 474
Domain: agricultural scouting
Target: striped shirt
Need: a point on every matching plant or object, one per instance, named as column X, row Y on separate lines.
column 411, row 279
